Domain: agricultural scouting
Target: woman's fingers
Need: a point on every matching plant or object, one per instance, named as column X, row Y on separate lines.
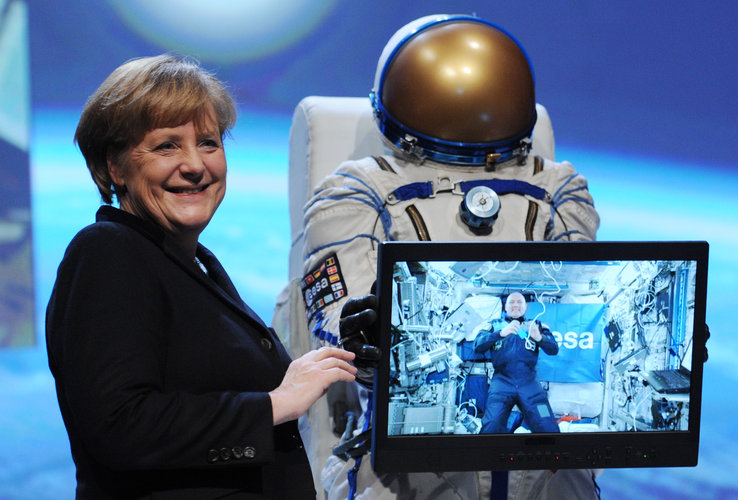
column 308, row 378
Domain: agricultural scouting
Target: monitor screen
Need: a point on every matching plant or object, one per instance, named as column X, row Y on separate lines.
column 539, row 355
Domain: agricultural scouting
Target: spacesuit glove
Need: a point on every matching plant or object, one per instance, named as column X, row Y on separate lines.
column 358, row 328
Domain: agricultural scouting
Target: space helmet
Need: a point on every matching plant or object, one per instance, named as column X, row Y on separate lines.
column 457, row 90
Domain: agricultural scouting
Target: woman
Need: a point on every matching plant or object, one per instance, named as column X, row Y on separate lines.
column 169, row 385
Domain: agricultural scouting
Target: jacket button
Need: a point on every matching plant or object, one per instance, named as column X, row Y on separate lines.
column 237, row 452
column 213, row 456
column 266, row 344
column 249, row 452
column 225, row 454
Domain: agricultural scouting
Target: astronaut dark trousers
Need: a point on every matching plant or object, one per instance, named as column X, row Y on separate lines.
column 476, row 390
column 506, row 392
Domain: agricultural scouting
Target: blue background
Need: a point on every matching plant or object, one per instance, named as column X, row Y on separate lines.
column 642, row 98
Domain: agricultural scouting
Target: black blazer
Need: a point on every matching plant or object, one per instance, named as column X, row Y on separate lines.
column 162, row 373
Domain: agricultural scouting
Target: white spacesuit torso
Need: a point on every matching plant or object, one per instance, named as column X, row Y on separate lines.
column 355, row 208
column 358, row 206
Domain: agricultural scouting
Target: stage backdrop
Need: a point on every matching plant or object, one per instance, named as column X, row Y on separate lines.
column 16, row 266
column 641, row 94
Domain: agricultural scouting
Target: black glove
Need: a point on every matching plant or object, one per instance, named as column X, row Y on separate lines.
column 358, row 327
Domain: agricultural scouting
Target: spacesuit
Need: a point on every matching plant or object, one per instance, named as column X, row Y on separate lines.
column 357, row 206
column 514, row 380
column 456, row 170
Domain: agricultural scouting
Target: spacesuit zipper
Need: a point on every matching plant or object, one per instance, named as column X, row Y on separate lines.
column 530, row 219
column 418, row 223
column 537, row 165
column 383, row 164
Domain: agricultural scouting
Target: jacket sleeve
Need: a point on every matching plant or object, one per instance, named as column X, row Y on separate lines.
column 110, row 357
column 485, row 340
column 547, row 343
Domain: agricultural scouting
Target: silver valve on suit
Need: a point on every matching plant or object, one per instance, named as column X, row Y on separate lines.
column 479, row 209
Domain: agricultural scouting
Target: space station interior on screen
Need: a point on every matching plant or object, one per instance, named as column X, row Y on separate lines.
column 619, row 326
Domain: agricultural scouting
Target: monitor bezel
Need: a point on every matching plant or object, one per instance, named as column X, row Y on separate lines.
column 436, row 453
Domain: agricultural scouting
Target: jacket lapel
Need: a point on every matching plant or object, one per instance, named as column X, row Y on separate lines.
column 217, row 280
column 217, row 275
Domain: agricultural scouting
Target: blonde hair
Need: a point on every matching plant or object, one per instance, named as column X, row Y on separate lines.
column 139, row 96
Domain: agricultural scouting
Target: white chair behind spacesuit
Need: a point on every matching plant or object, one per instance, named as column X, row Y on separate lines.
column 325, row 132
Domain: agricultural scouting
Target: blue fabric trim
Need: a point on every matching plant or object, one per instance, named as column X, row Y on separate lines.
column 354, row 471
column 320, row 333
column 413, row 190
column 578, row 199
column 558, row 192
column 505, row 186
column 565, row 233
column 500, row 186
column 334, row 243
column 374, row 201
column 374, row 194
column 499, row 485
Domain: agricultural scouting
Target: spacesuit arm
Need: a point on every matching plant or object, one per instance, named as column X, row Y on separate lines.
column 344, row 222
column 485, row 340
column 573, row 213
column 548, row 342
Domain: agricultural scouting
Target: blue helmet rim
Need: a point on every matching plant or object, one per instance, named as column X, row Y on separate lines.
column 451, row 152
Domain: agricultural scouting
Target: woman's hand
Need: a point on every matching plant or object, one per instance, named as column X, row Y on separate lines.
column 307, row 379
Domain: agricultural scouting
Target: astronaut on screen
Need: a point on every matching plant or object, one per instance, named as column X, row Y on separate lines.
column 458, row 166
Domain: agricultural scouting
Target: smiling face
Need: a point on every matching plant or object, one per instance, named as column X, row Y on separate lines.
column 175, row 177
column 515, row 305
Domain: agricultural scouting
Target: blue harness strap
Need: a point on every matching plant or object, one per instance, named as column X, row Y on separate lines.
column 354, row 471
column 499, row 186
column 505, row 186
column 414, row 190
column 499, row 485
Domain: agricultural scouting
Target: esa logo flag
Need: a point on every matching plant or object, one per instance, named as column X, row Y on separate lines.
column 579, row 330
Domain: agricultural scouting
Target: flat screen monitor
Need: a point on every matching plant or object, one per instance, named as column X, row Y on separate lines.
column 602, row 369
